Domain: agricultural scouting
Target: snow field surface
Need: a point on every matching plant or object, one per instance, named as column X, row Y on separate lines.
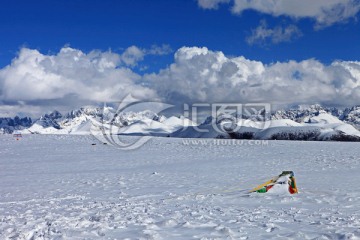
column 63, row 187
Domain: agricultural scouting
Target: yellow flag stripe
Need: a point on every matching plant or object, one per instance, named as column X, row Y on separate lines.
column 262, row 185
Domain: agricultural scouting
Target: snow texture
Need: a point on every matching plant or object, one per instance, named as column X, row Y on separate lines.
column 64, row 187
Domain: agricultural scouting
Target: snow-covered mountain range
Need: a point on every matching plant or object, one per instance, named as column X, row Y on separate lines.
column 302, row 113
column 312, row 122
column 9, row 125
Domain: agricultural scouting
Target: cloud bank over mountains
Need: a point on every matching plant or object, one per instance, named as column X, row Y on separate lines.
column 46, row 81
column 199, row 74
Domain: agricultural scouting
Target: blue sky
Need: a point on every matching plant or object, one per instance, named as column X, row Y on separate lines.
column 107, row 24
column 270, row 32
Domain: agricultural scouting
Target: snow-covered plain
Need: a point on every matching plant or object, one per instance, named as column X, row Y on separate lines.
column 63, row 187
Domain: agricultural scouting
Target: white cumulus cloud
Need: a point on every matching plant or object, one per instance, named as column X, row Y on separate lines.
column 94, row 76
column 201, row 75
column 71, row 78
column 132, row 55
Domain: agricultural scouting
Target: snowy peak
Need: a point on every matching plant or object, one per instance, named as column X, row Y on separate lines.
column 53, row 115
column 49, row 120
column 300, row 113
column 9, row 125
column 351, row 115
column 178, row 121
column 84, row 111
column 309, row 108
column 323, row 118
column 127, row 118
